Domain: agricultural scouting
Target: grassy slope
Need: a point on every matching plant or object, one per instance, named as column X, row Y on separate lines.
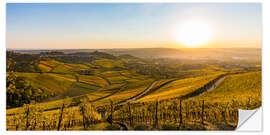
column 51, row 63
column 131, row 90
column 169, row 91
column 94, row 80
column 178, row 88
column 44, row 68
column 95, row 93
column 49, row 82
column 107, row 63
column 237, row 87
column 233, row 87
column 108, row 90
column 63, row 68
column 78, row 90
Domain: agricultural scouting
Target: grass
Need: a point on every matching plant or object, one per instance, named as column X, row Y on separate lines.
column 78, row 67
column 88, row 86
column 44, row 68
column 133, row 75
column 177, row 88
column 110, row 74
column 78, row 90
column 131, row 90
column 117, row 79
column 49, row 82
column 51, row 63
column 122, row 76
column 105, row 91
column 238, row 87
column 63, row 68
column 107, row 63
column 94, row 80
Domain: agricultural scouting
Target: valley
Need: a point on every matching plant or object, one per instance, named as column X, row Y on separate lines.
column 125, row 90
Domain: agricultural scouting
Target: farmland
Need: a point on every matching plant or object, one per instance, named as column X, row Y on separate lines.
column 100, row 91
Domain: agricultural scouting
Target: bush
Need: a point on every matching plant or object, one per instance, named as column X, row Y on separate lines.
column 141, row 127
column 169, row 127
column 112, row 127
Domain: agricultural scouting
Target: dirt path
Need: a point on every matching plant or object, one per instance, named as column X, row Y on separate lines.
column 139, row 95
column 123, row 125
column 108, row 82
column 208, row 87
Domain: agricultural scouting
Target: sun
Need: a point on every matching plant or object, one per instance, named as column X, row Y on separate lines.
column 194, row 34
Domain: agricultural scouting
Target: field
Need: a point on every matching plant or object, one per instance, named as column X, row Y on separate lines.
column 100, row 91
column 244, row 87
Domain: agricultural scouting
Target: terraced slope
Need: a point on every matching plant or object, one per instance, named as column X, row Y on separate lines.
column 108, row 63
column 93, row 80
column 49, row 82
column 178, row 88
column 243, row 88
column 132, row 89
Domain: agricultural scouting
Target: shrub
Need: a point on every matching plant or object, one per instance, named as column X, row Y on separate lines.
column 141, row 127
column 112, row 127
column 169, row 127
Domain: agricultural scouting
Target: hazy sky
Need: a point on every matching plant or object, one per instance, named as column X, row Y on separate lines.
column 89, row 25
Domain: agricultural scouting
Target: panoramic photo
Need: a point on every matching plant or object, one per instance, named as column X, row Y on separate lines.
column 131, row 66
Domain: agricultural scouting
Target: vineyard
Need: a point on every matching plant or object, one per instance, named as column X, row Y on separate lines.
column 198, row 113
column 107, row 92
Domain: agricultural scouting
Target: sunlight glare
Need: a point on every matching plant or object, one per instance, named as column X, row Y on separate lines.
column 194, row 34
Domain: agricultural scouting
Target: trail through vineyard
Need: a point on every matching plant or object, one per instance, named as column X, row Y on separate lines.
column 124, row 125
column 198, row 92
column 139, row 95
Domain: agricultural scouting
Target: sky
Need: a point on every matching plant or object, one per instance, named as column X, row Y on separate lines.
column 129, row 25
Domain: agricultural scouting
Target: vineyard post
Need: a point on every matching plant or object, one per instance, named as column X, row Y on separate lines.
column 130, row 117
column 43, row 125
column 202, row 111
column 27, row 122
column 68, row 122
column 248, row 103
column 35, row 124
column 16, row 126
column 143, row 115
column 111, row 110
column 187, row 111
column 135, row 113
column 180, row 115
column 83, row 115
column 156, row 115
column 60, row 118
column 122, row 116
column 224, row 113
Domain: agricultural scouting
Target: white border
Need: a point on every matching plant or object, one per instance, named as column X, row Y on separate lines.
column 3, row 64
column 266, row 69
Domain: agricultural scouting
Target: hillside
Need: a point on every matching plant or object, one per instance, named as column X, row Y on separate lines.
column 149, row 89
